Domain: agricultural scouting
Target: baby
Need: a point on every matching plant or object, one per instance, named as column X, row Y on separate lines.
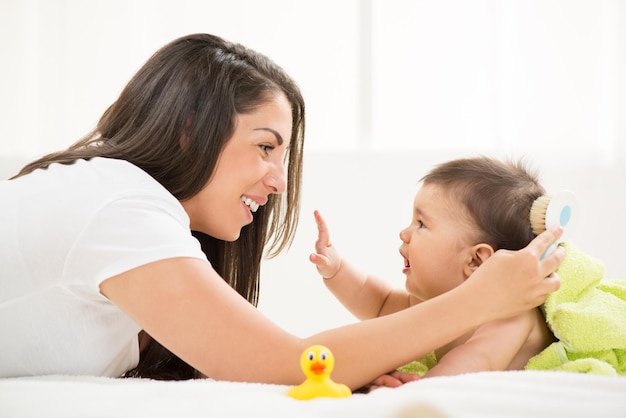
column 465, row 210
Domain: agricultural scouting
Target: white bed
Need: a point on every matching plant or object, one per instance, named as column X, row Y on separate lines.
column 487, row 394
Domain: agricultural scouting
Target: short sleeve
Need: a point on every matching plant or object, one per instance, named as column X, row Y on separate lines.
column 129, row 232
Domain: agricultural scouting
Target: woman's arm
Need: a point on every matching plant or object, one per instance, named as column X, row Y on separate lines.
column 187, row 307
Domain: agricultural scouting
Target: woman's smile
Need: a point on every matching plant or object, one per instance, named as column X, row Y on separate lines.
column 253, row 205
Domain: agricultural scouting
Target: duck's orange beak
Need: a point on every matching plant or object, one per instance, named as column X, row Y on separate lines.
column 318, row 368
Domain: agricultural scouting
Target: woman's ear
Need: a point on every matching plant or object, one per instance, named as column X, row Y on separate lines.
column 184, row 141
column 184, row 137
column 479, row 253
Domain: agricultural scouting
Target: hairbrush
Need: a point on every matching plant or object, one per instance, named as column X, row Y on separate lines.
column 551, row 210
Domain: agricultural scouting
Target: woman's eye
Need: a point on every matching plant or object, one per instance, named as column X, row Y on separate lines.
column 266, row 148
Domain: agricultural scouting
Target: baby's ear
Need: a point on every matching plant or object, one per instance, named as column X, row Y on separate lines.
column 479, row 253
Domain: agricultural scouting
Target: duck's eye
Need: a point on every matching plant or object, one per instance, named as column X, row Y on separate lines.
column 323, row 356
column 310, row 356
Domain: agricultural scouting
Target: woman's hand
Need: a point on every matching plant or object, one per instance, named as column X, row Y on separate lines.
column 326, row 258
column 512, row 282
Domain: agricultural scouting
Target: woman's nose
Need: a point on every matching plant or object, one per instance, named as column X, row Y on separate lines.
column 276, row 180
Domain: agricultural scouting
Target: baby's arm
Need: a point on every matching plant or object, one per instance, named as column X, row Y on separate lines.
column 491, row 347
column 365, row 296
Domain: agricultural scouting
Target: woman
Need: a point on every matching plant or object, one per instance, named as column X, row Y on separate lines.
column 122, row 259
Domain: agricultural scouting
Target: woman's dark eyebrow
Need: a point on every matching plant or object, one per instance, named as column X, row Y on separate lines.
column 276, row 134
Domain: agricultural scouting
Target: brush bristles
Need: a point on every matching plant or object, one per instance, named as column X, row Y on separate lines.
column 538, row 214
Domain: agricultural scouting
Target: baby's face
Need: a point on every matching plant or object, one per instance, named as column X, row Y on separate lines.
column 436, row 246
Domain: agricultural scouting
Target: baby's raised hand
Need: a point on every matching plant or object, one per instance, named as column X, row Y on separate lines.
column 326, row 258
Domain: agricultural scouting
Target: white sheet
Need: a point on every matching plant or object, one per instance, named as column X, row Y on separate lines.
column 488, row 394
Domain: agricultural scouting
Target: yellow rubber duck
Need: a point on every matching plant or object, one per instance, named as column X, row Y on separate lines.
column 317, row 362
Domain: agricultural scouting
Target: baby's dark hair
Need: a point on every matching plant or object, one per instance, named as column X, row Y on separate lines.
column 497, row 195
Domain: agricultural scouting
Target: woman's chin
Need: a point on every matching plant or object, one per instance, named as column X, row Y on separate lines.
column 224, row 235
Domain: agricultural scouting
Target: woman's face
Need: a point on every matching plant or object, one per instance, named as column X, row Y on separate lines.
column 436, row 245
column 250, row 168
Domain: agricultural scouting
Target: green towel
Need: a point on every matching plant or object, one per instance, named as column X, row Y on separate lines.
column 421, row 365
column 587, row 315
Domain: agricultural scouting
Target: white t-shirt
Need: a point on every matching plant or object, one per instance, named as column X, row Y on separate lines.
column 63, row 231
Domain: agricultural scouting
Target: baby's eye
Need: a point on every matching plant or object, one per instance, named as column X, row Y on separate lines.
column 421, row 224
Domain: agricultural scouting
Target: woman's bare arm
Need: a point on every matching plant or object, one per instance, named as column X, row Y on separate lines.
column 187, row 307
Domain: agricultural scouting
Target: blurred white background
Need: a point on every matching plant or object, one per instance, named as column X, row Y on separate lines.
column 392, row 88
